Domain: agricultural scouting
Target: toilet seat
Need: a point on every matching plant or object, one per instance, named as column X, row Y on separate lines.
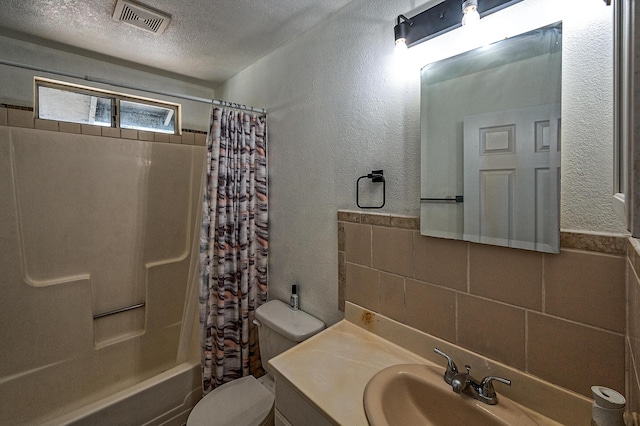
column 242, row 402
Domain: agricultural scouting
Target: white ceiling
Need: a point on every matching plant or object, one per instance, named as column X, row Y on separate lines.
column 206, row 42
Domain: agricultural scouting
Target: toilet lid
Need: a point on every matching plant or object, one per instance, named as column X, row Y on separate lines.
column 242, row 402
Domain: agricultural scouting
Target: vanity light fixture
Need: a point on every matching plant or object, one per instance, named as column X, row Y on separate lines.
column 401, row 29
column 444, row 17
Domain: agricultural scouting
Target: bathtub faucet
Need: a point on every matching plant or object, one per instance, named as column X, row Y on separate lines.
column 482, row 390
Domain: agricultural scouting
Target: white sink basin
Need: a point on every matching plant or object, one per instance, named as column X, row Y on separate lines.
column 415, row 394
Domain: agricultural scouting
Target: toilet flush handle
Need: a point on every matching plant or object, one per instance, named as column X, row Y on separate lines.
column 258, row 323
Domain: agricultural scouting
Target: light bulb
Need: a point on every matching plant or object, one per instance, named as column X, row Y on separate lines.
column 401, row 45
column 470, row 15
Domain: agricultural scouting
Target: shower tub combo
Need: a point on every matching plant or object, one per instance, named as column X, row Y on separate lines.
column 99, row 255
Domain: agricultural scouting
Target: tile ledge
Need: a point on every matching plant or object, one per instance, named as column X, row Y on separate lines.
column 595, row 233
column 598, row 242
column 372, row 213
column 58, row 130
column 594, row 241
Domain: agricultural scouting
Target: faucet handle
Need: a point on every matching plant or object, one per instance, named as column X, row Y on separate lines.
column 452, row 369
column 487, row 386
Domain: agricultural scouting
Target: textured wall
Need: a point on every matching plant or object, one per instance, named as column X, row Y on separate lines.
column 337, row 110
column 587, row 121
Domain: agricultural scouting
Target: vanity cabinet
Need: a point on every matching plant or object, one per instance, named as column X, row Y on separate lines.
column 293, row 409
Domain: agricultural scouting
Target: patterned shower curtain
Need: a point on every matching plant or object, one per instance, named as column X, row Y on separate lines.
column 233, row 246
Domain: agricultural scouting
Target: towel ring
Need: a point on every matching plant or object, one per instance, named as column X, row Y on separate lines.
column 375, row 176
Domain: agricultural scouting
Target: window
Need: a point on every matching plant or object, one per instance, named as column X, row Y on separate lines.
column 79, row 104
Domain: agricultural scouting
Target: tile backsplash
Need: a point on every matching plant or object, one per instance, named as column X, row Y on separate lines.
column 633, row 325
column 560, row 317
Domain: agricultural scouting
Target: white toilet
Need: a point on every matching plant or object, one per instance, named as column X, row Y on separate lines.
column 249, row 401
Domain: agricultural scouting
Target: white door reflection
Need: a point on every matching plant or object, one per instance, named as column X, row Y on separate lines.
column 512, row 177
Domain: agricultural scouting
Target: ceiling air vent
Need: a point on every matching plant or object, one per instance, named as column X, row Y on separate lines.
column 141, row 16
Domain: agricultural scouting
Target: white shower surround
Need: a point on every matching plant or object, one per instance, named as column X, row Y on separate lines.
column 338, row 110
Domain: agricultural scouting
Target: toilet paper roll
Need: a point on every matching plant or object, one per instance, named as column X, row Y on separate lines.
column 608, row 407
column 607, row 398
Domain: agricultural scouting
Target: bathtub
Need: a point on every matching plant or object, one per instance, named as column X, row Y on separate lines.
column 165, row 399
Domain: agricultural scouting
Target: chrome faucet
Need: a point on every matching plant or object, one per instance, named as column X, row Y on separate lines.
column 452, row 369
column 465, row 383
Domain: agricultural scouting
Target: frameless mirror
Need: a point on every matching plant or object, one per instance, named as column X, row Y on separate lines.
column 490, row 142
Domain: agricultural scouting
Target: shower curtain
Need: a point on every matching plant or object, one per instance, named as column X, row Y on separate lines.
column 233, row 246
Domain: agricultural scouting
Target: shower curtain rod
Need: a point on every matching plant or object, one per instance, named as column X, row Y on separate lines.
column 126, row 86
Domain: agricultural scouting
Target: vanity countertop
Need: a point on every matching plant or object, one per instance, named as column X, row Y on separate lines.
column 334, row 389
column 332, row 369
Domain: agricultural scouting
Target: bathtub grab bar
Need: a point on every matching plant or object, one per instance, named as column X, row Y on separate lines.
column 117, row 311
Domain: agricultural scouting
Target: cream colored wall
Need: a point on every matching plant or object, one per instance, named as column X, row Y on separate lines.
column 91, row 224
column 338, row 109
column 336, row 112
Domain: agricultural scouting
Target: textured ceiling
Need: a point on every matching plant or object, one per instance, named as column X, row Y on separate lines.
column 207, row 41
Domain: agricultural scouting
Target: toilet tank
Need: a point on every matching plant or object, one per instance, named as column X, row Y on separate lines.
column 281, row 328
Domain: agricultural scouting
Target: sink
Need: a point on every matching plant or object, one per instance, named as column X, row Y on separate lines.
column 416, row 394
